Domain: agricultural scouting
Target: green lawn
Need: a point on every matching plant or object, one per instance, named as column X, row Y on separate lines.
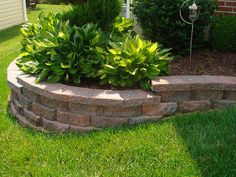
column 199, row 144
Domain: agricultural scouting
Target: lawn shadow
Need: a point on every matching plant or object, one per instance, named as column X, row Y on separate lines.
column 211, row 140
column 9, row 33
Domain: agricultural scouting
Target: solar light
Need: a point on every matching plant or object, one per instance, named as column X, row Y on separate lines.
column 194, row 12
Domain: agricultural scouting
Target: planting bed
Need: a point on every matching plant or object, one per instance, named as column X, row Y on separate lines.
column 61, row 108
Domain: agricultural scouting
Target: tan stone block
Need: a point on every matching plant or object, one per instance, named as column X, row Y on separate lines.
column 174, row 96
column 19, row 107
column 13, row 109
column 30, row 95
column 54, row 126
column 191, row 106
column 99, row 121
column 206, row 94
column 59, row 105
column 44, row 111
column 164, row 109
column 230, row 95
column 82, row 129
column 85, row 109
column 220, row 104
column 142, row 119
column 116, row 111
column 73, row 119
column 32, row 118
column 25, row 102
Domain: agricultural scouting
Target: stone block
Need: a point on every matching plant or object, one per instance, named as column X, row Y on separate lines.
column 73, row 119
column 18, row 106
column 174, row 96
column 142, row 119
column 54, row 126
column 44, row 111
column 25, row 102
column 139, row 97
column 13, row 109
column 32, row 118
column 85, row 109
column 220, row 104
column 164, row 109
column 206, row 94
column 169, row 83
column 22, row 120
column 230, row 95
column 100, row 121
column 196, row 105
column 82, row 129
column 30, row 95
column 59, row 105
column 13, row 95
column 116, row 111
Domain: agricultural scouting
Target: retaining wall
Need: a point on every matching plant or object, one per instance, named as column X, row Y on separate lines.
column 61, row 108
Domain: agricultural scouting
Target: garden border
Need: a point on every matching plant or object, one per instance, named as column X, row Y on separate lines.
column 61, row 108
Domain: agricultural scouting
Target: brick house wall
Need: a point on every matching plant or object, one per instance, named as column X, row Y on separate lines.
column 226, row 7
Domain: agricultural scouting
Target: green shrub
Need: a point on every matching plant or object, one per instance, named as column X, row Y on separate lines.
column 63, row 1
column 160, row 22
column 223, row 33
column 134, row 61
column 55, row 51
column 101, row 12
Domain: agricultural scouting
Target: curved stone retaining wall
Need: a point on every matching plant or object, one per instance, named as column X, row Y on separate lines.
column 61, row 108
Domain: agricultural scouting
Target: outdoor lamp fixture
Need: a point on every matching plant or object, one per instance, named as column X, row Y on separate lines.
column 194, row 12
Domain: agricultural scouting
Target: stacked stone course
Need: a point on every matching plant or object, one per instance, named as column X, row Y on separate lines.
column 60, row 108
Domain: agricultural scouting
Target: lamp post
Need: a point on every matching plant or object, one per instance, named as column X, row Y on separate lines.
column 194, row 11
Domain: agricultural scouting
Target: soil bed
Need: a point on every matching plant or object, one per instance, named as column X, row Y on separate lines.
column 205, row 62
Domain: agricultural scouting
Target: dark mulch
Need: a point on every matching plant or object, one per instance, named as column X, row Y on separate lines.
column 205, row 62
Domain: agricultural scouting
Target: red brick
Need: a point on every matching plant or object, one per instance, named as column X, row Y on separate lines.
column 225, row 9
column 99, row 121
column 73, row 119
column 192, row 106
column 230, row 3
column 221, row 3
column 164, row 109
column 43, row 111
column 122, row 111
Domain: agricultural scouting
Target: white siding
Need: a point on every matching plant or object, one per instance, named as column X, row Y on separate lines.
column 11, row 13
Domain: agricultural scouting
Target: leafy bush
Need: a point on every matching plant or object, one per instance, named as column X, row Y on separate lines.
column 57, row 52
column 134, row 61
column 101, row 12
column 63, row 1
column 160, row 22
column 223, row 33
